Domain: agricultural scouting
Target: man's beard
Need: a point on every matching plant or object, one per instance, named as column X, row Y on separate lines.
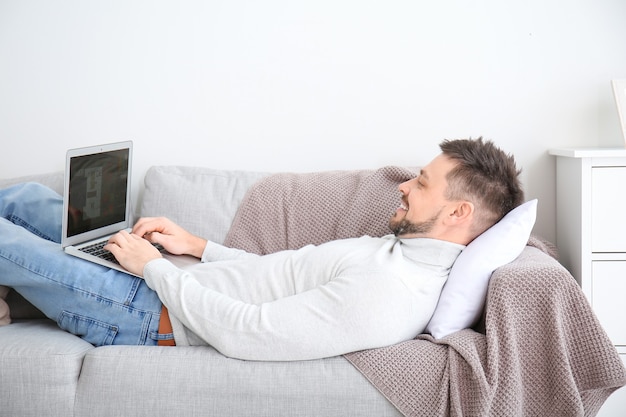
column 405, row 227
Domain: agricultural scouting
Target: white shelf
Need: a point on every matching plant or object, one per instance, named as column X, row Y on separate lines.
column 590, row 238
column 589, row 152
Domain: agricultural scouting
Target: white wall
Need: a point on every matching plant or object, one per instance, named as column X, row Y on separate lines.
column 308, row 85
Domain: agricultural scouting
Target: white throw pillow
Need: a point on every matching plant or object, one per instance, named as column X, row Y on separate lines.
column 463, row 296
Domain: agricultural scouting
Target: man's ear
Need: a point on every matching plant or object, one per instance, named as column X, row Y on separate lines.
column 463, row 212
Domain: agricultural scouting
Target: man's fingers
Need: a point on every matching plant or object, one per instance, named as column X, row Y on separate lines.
column 147, row 225
column 120, row 240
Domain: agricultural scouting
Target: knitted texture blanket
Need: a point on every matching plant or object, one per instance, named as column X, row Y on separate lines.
column 288, row 210
column 540, row 350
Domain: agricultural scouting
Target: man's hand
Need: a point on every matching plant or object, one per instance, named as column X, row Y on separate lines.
column 168, row 234
column 131, row 251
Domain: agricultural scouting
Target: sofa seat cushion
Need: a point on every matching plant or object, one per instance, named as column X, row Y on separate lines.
column 39, row 369
column 208, row 383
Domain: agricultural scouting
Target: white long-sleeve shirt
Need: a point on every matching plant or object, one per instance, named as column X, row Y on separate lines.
column 317, row 301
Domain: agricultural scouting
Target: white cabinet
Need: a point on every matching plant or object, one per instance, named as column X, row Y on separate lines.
column 591, row 238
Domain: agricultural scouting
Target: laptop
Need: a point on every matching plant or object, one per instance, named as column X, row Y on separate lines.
column 96, row 200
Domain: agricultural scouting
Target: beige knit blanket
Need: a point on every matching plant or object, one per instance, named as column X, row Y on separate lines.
column 543, row 352
column 288, row 211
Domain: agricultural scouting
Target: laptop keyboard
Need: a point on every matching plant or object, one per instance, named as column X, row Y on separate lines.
column 97, row 249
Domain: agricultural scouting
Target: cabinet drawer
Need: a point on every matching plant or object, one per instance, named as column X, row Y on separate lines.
column 608, row 199
column 607, row 297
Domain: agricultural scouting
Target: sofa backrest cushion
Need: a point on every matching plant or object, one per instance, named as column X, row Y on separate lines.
column 201, row 200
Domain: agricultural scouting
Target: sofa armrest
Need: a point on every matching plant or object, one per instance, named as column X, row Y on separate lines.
column 543, row 338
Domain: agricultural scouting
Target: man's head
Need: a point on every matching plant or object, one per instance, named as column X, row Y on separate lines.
column 465, row 190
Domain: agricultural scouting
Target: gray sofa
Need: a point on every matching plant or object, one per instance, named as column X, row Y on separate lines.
column 47, row 372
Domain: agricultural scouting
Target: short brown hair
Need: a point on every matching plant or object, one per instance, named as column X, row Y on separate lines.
column 485, row 176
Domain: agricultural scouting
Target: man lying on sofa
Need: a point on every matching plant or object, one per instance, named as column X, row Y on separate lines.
column 317, row 301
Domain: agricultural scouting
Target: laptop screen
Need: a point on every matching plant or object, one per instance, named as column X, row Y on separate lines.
column 97, row 190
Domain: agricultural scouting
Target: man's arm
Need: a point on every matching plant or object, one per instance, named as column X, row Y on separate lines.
column 178, row 241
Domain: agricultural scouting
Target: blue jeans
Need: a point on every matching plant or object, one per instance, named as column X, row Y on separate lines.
column 100, row 305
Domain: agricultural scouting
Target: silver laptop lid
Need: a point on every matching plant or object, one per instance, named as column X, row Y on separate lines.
column 96, row 192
